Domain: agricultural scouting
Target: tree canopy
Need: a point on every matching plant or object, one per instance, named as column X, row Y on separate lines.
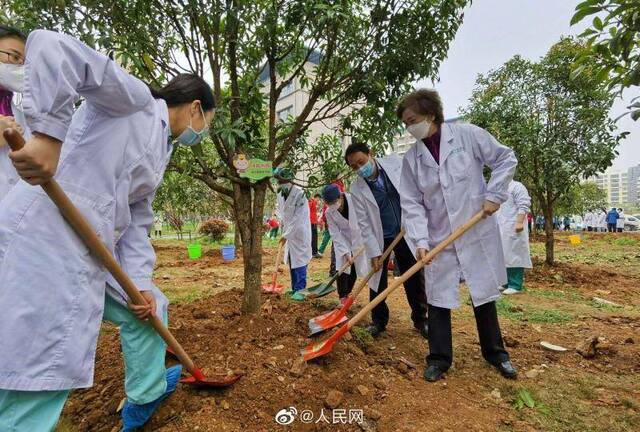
column 557, row 124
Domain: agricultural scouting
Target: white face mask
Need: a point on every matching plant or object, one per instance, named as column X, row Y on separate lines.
column 335, row 205
column 420, row 130
column 12, row 77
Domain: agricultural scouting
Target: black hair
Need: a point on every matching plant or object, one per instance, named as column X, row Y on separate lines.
column 355, row 147
column 6, row 31
column 185, row 88
column 317, row 195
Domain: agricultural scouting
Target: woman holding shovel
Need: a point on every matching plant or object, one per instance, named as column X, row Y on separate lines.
column 442, row 187
column 347, row 240
column 109, row 156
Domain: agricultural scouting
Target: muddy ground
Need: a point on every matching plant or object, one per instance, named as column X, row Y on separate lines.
column 382, row 379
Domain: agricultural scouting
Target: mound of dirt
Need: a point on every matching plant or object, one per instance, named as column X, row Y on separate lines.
column 266, row 349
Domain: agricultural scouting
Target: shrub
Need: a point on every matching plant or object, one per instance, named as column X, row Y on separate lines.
column 215, row 229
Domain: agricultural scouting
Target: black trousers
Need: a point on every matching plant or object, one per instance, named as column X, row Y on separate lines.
column 611, row 227
column 314, row 239
column 346, row 282
column 440, row 341
column 332, row 266
column 413, row 288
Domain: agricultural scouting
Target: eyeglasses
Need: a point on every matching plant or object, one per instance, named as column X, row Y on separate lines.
column 11, row 57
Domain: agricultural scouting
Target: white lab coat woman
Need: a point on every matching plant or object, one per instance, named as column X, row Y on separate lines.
column 443, row 187
column 293, row 211
column 347, row 238
column 515, row 244
column 448, row 194
column 113, row 153
column 620, row 221
column 515, row 236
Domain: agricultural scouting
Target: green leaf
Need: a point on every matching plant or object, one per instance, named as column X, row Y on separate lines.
column 583, row 12
column 577, row 71
column 597, row 23
column 526, row 398
column 148, row 62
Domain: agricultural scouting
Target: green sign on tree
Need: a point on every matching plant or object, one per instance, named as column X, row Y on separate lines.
column 254, row 169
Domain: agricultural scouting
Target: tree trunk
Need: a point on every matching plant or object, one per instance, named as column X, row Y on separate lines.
column 248, row 211
column 237, row 241
column 547, row 211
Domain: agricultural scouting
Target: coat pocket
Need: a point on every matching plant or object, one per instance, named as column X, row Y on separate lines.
column 459, row 166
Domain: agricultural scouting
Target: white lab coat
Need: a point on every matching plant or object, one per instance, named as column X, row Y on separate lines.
column 620, row 221
column 114, row 153
column 368, row 213
column 437, row 199
column 515, row 245
column 589, row 219
column 296, row 227
column 602, row 220
column 8, row 175
column 347, row 239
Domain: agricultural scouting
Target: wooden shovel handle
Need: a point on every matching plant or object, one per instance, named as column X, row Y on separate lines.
column 98, row 248
column 278, row 259
column 415, row 268
column 383, row 258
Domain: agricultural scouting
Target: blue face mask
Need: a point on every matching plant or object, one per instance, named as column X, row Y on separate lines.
column 366, row 170
column 189, row 137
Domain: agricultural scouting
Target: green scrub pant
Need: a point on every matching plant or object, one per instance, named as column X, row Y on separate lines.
column 145, row 376
column 515, row 278
column 325, row 241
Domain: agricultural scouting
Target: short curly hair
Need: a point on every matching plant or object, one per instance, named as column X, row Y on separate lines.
column 422, row 101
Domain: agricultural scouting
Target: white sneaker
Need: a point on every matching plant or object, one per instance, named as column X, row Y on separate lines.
column 510, row 291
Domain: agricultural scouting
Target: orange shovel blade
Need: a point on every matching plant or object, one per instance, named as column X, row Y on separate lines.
column 324, row 347
column 199, row 380
column 330, row 319
column 269, row 288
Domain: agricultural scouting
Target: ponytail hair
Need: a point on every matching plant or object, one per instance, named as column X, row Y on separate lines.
column 184, row 89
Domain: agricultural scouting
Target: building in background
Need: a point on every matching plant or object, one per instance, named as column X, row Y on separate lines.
column 621, row 186
column 294, row 98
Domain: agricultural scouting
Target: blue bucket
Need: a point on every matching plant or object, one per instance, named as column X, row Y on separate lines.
column 228, row 253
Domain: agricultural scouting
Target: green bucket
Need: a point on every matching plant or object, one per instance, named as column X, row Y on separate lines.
column 195, row 251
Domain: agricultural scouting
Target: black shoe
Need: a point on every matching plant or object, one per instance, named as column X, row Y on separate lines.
column 506, row 369
column 374, row 330
column 423, row 329
column 433, row 373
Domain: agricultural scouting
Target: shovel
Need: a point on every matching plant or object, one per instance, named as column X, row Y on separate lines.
column 324, row 347
column 93, row 242
column 324, row 288
column 338, row 316
column 274, row 286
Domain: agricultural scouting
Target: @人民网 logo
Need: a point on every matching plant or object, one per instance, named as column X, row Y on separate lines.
column 286, row 416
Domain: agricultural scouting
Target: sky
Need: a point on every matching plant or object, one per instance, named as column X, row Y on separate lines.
column 493, row 31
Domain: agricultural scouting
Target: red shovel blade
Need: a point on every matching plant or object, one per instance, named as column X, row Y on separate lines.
column 271, row 288
column 199, row 380
column 274, row 286
column 330, row 319
column 324, row 347
column 218, row 381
